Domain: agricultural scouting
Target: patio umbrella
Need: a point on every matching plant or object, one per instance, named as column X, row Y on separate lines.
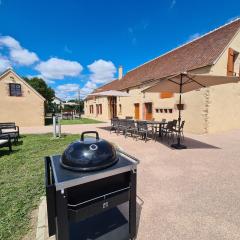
column 186, row 82
column 111, row 93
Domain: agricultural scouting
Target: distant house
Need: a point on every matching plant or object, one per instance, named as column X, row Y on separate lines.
column 208, row 110
column 58, row 101
column 19, row 102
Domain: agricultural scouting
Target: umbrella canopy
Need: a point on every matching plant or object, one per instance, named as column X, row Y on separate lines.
column 185, row 82
column 111, row 93
column 189, row 83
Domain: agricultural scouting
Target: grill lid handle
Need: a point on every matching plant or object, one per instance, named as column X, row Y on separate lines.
column 89, row 132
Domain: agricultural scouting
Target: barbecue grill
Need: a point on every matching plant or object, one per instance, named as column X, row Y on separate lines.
column 90, row 180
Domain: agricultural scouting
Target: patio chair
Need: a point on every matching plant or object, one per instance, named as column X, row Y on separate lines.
column 181, row 130
column 143, row 130
column 11, row 129
column 131, row 128
column 158, row 129
column 122, row 126
column 168, row 131
column 5, row 141
column 175, row 122
column 114, row 124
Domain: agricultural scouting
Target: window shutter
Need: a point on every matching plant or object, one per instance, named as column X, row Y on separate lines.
column 230, row 63
column 166, row 95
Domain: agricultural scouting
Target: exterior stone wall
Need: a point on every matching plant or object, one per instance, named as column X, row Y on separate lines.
column 25, row 110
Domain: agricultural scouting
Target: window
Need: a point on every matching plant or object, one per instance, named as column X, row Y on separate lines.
column 166, row 95
column 15, row 89
column 231, row 64
column 99, row 108
column 91, row 108
column 120, row 109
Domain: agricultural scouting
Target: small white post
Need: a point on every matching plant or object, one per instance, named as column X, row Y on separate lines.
column 59, row 127
column 54, row 127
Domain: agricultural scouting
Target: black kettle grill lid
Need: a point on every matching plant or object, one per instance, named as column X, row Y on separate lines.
column 89, row 153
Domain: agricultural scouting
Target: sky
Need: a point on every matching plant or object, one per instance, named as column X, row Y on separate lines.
column 79, row 44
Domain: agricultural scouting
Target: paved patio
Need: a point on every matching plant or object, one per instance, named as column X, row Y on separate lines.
column 190, row 194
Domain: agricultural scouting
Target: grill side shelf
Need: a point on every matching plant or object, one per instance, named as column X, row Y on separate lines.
column 50, row 196
column 130, row 157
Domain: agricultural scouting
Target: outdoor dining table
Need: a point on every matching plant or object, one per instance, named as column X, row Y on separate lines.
column 156, row 124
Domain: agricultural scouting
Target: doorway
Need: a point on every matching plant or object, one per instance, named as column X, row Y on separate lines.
column 136, row 111
column 148, row 111
column 112, row 103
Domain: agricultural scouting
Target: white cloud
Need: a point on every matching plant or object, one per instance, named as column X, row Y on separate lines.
column 67, row 91
column 9, row 42
column 193, row 37
column 56, row 68
column 40, row 76
column 4, row 64
column 88, row 87
column 70, row 87
column 18, row 54
column 23, row 56
column 173, row 3
column 102, row 71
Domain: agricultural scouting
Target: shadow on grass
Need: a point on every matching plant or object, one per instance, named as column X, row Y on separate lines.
column 4, row 152
column 18, row 143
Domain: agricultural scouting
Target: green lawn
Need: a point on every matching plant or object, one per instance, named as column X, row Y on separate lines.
column 79, row 121
column 22, row 181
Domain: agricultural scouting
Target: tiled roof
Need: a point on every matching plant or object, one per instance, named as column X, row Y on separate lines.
column 196, row 54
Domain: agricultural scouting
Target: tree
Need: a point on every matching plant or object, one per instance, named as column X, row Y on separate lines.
column 79, row 106
column 47, row 92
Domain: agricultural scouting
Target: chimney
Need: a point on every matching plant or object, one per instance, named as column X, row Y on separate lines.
column 120, row 72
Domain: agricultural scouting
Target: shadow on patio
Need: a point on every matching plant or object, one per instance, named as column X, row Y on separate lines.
column 189, row 142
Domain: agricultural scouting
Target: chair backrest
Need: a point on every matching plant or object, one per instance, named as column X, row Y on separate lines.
column 170, row 125
column 7, row 125
column 174, row 122
column 182, row 124
column 114, row 121
column 142, row 125
column 122, row 122
column 130, row 123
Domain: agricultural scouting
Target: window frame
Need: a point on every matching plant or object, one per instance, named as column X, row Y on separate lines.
column 16, row 92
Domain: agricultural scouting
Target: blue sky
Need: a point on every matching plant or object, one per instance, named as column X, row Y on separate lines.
column 76, row 43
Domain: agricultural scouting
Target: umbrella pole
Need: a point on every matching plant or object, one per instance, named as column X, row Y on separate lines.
column 178, row 145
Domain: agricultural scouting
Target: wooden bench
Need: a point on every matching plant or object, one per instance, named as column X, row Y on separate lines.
column 11, row 129
column 5, row 141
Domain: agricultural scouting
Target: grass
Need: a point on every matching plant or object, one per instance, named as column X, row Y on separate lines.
column 79, row 121
column 22, row 181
